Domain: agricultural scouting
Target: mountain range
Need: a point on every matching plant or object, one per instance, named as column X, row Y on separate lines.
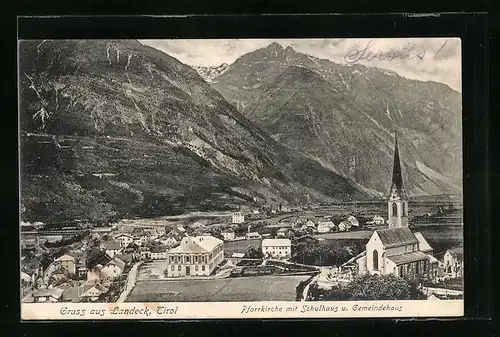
column 113, row 129
column 344, row 117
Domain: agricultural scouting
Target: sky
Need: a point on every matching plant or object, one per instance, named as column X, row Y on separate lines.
column 424, row 59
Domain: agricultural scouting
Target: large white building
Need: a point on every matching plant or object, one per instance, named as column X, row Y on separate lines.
column 195, row 256
column 277, row 248
column 238, row 217
column 124, row 239
column 228, row 235
column 397, row 250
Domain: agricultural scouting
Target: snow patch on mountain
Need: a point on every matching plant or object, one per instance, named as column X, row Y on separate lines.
column 209, row 74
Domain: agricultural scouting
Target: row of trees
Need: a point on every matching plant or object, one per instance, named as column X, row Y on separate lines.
column 321, row 254
column 371, row 288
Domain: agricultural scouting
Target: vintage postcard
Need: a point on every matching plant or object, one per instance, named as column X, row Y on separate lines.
column 240, row 178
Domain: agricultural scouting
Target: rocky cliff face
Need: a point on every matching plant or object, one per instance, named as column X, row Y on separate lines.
column 344, row 117
column 113, row 128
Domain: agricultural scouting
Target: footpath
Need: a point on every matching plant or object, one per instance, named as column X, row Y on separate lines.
column 131, row 279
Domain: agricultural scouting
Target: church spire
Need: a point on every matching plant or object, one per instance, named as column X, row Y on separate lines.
column 397, row 203
column 397, row 178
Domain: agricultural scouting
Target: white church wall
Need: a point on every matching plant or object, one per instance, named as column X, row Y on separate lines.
column 389, row 267
column 374, row 244
column 402, row 249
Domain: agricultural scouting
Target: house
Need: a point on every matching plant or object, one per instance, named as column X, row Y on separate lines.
column 277, row 248
column 112, row 269
column 228, row 235
column 310, row 224
column 158, row 252
column 58, row 275
column 181, row 229
column 354, row 222
column 168, row 241
column 252, row 235
column 453, row 261
column 124, row 239
column 307, row 230
column 67, row 262
column 378, row 220
column 236, row 258
column 237, row 217
column 172, row 238
column 104, row 267
column 325, row 226
column 51, row 295
column 112, row 248
column 145, row 253
column 25, row 278
column 151, row 234
column 90, row 291
column 256, row 211
column 137, row 240
column 345, row 226
column 397, row 250
column 196, row 256
column 281, row 233
column 81, row 271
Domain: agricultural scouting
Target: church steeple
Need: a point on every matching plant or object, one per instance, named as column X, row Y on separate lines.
column 397, row 203
column 397, row 178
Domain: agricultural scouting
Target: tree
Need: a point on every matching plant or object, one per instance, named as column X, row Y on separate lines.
column 254, row 253
column 375, row 287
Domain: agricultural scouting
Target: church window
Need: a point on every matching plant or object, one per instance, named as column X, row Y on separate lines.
column 375, row 260
column 417, row 267
column 394, row 209
column 404, row 209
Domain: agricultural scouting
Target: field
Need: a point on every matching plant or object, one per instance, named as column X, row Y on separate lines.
column 262, row 288
column 240, row 246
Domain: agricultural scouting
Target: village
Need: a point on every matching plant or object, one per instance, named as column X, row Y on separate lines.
column 301, row 252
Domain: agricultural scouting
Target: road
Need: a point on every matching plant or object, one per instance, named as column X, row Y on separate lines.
column 131, row 279
column 441, row 291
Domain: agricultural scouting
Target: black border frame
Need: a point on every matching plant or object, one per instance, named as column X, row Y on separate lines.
column 472, row 28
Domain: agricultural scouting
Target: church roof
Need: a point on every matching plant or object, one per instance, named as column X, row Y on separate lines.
column 408, row 258
column 396, row 237
column 397, row 178
column 423, row 245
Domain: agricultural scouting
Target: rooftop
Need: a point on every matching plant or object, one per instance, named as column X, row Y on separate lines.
column 197, row 244
column 457, row 251
column 423, row 245
column 276, row 242
column 111, row 245
column 53, row 292
column 408, row 258
column 396, row 237
column 65, row 257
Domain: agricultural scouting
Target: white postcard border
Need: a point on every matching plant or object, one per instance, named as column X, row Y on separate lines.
column 229, row 310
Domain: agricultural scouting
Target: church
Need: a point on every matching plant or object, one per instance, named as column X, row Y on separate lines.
column 397, row 250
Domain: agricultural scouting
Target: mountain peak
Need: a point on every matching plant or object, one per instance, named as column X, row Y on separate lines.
column 275, row 46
